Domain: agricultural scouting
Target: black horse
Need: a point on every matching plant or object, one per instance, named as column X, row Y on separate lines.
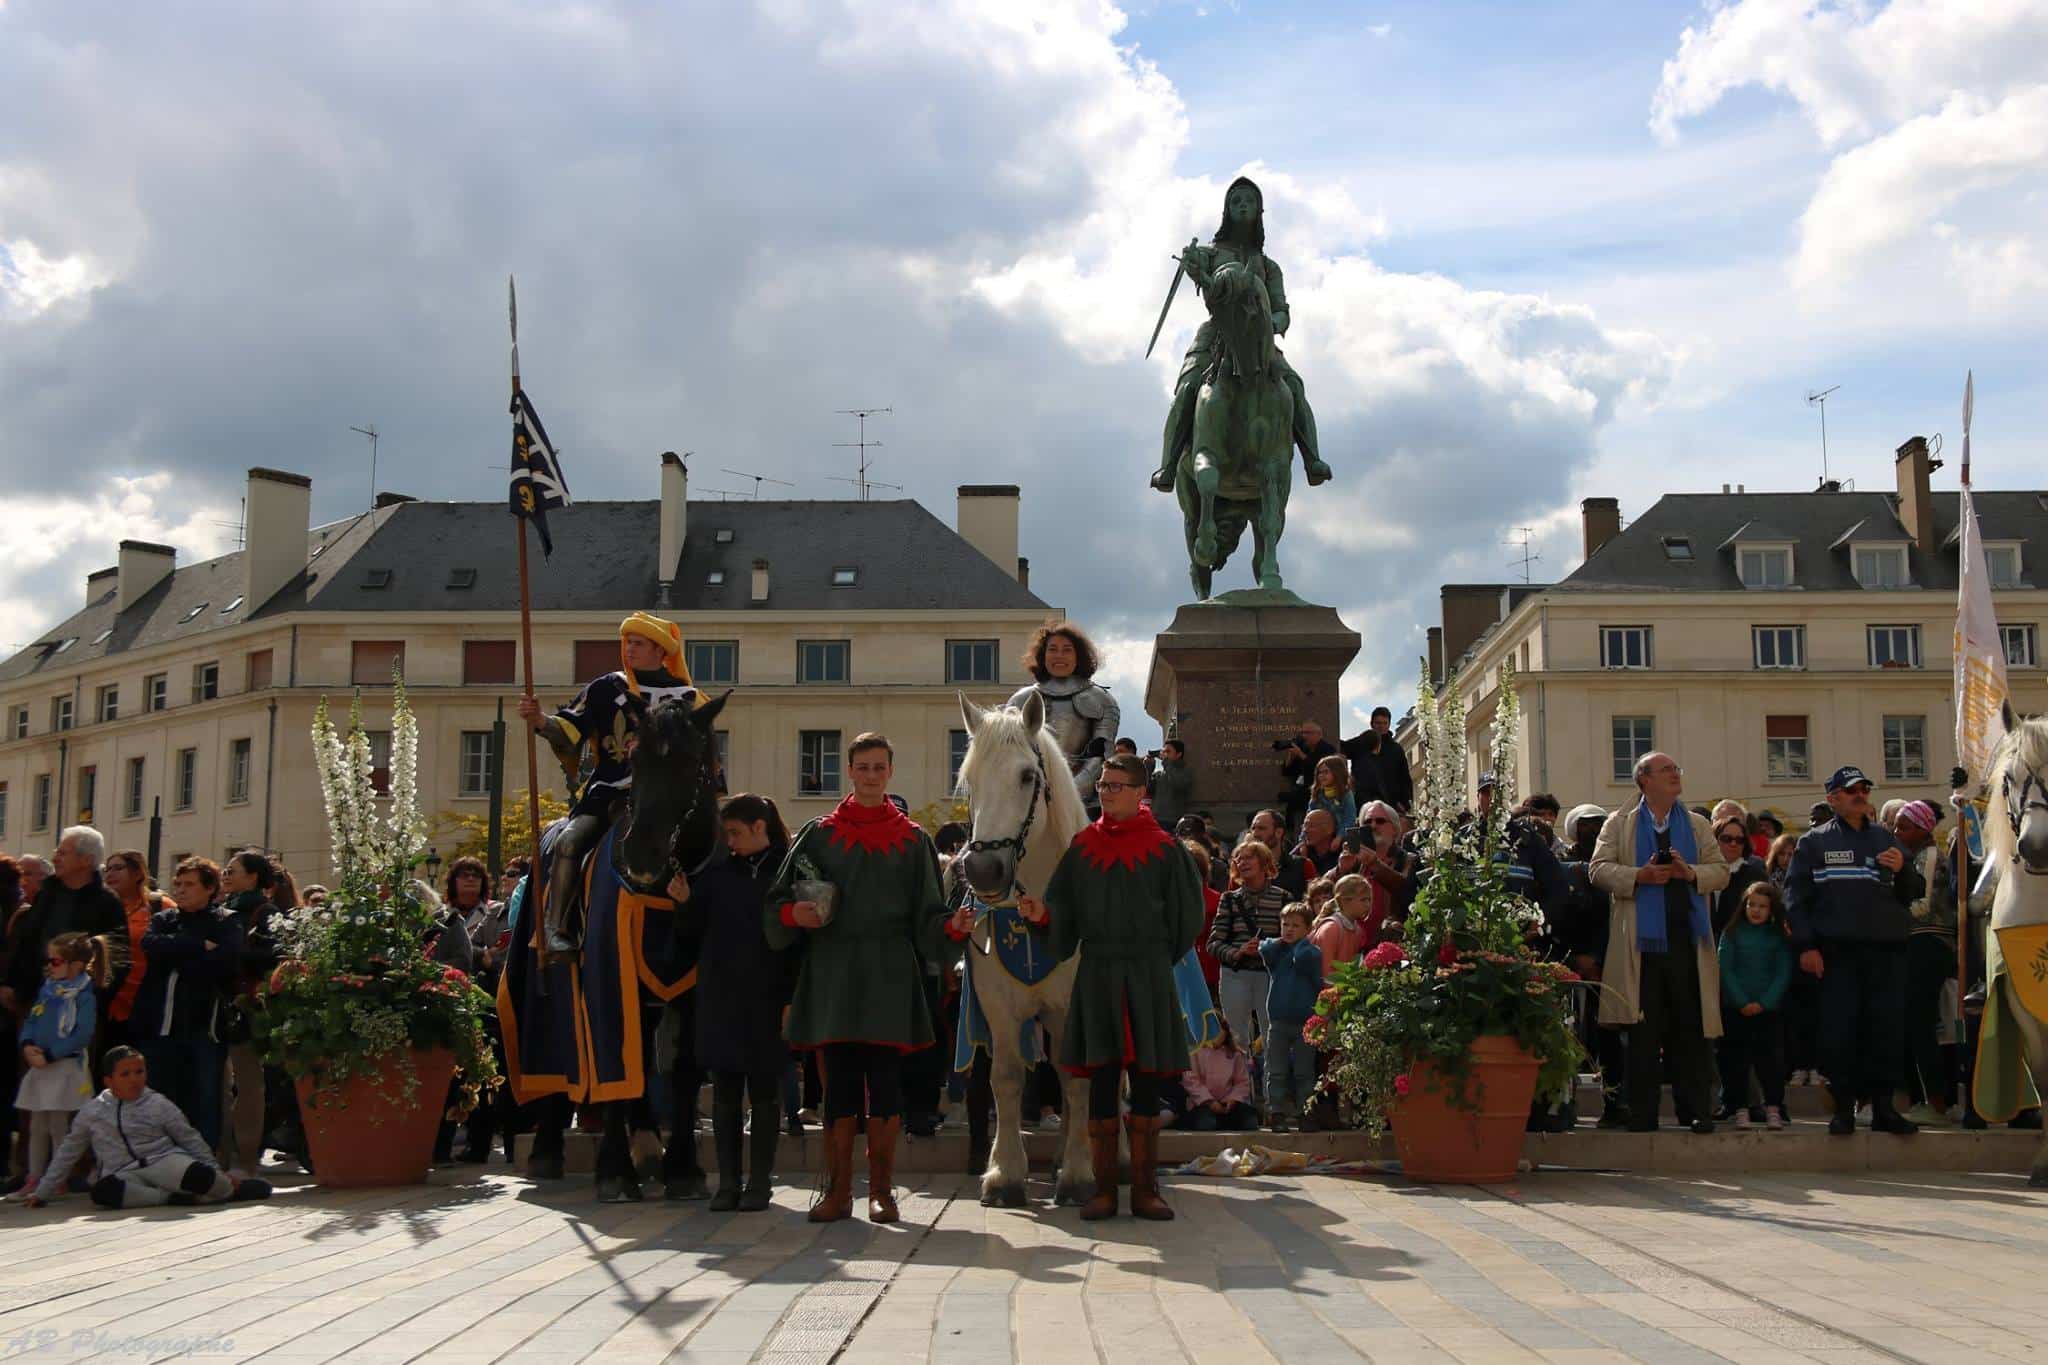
column 583, row 1035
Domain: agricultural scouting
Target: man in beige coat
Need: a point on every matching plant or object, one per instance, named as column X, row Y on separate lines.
column 1660, row 867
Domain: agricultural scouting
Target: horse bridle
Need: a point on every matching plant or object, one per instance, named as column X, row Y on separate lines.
column 1041, row 789
column 671, row 866
column 2033, row 795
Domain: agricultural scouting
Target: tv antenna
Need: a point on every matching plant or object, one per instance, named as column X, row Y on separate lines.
column 723, row 494
column 863, row 483
column 758, row 479
column 1820, row 400
column 371, row 432
column 1526, row 534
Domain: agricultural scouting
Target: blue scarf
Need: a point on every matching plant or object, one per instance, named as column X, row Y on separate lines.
column 1650, row 909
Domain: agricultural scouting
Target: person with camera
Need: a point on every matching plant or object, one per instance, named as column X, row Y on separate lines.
column 1172, row 785
column 1299, row 754
column 1382, row 861
column 1379, row 767
column 1291, row 874
column 1659, row 865
column 1247, row 914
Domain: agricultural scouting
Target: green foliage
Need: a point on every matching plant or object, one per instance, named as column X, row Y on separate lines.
column 470, row 831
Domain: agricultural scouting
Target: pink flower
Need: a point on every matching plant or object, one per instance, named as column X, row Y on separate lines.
column 1401, row 1084
column 1385, row 955
column 1328, row 996
column 1316, row 1030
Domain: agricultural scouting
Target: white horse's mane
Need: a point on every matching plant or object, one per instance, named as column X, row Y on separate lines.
column 2023, row 750
column 1003, row 727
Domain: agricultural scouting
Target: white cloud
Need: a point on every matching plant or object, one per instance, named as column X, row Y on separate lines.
column 1937, row 112
column 31, row 282
column 1379, row 30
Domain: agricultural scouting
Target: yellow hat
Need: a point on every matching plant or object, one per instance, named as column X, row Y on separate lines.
column 667, row 634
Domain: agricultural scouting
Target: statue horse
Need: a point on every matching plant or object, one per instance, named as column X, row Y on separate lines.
column 1239, row 468
column 585, row 1029
column 1025, row 810
column 2014, row 1038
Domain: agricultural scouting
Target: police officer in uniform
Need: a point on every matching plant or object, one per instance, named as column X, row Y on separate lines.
column 1849, row 894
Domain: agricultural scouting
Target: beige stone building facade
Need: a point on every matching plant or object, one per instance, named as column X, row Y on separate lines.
column 1764, row 639
column 189, row 691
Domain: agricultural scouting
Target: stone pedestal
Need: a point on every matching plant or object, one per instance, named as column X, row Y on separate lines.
column 1232, row 675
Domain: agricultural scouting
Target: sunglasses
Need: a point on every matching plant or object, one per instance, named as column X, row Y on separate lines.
column 1733, row 839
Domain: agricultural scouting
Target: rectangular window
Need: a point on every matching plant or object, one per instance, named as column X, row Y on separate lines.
column 131, row 790
column 595, row 658
column 185, row 792
column 970, row 661
column 1786, row 756
column 372, row 663
column 956, row 754
column 205, row 682
column 1624, row 646
column 489, row 662
column 712, row 662
column 721, row 741
column 1765, row 568
column 1632, row 739
column 1881, row 566
column 88, row 792
column 60, row 712
column 238, row 771
column 257, row 676
column 380, row 760
column 3, row 810
column 817, row 764
column 474, row 776
column 1778, row 646
column 2022, row 646
column 17, row 722
column 1905, row 748
column 2002, row 562
column 1894, row 646
column 822, row 661
column 156, row 692
column 106, row 703
column 39, row 807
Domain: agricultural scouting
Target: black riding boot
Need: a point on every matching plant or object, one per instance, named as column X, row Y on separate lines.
column 617, row 1183
column 682, row 1174
column 726, row 1141
column 761, row 1146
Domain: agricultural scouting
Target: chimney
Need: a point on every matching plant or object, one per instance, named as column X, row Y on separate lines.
column 675, row 515
column 759, row 591
column 1602, row 518
column 98, row 581
column 1916, row 497
column 1023, row 572
column 276, row 519
column 987, row 520
column 1469, row 611
column 141, row 567
column 384, row 500
column 1436, row 655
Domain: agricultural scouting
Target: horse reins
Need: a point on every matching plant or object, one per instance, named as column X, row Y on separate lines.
column 1041, row 788
column 2033, row 795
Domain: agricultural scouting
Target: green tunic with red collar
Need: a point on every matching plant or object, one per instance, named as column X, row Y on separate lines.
column 1127, row 897
column 861, row 981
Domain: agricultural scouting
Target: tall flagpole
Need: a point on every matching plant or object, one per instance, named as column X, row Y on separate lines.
column 526, row 646
column 1967, row 542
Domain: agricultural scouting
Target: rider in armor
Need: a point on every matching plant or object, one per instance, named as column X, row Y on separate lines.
column 1241, row 239
column 1078, row 710
column 603, row 716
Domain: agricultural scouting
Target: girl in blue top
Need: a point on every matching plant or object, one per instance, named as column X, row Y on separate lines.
column 1756, row 970
column 54, row 1082
column 1333, row 792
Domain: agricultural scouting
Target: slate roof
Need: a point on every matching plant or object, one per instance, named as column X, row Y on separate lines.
column 1817, row 524
column 904, row 559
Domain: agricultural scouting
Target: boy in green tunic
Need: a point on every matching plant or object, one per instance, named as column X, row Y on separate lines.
column 859, row 995
column 1128, row 893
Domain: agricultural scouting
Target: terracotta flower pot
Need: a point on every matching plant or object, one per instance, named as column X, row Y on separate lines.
column 1437, row 1141
column 361, row 1135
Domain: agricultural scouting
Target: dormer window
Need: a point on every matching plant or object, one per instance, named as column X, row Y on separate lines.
column 722, row 536
column 714, row 579
column 1879, row 566
column 192, row 615
column 461, row 580
column 2003, row 562
column 376, row 580
column 231, row 605
column 1678, row 548
column 103, row 636
column 1768, row 566
column 845, row 578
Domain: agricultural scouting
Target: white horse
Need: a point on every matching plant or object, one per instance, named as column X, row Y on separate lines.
column 1025, row 811
column 2016, row 1002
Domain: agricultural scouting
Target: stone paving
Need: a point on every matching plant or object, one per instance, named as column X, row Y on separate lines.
column 1562, row 1267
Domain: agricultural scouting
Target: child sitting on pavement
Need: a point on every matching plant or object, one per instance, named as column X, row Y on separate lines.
column 1294, row 968
column 1218, row 1083
column 148, row 1153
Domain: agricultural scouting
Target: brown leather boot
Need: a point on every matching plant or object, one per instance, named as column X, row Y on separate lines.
column 838, row 1200
column 1102, row 1147
column 1145, row 1200
column 882, row 1135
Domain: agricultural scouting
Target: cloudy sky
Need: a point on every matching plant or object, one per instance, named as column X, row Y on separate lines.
column 1534, row 253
